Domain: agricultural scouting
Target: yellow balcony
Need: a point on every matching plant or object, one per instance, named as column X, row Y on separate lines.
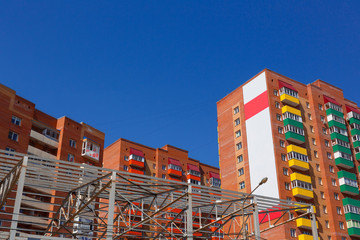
column 305, row 223
column 300, row 177
column 299, row 165
column 295, row 111
column 306, row 237
column 302, row 210
column 294, row 148
column 287, row 99
column 302, row 193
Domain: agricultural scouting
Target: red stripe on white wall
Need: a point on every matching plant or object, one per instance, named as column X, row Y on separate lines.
column 256, row 105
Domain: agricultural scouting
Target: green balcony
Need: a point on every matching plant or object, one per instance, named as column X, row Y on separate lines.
column 350, row 215
column 347, row 182
column 356, row 144
column 355, row 132
column 293, row 137
column 344, row 163
column 336, row 124
column 357, row 156
column 354, row 232
column 335, row 135
column 349, row 190
column 289, row 121
column 354, row 120
column 332, row 111
column 338, row 148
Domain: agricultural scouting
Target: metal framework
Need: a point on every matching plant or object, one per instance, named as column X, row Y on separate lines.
column 51, row 199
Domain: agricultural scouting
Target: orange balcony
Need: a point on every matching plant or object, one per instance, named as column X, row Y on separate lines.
column 175, row 179
column 133, row 162
column 133, row 170
column 174, row 172
column 189, row 176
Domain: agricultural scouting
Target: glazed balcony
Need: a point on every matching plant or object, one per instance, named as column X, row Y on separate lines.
column 136, row 161
column 351, row 209
column 290, row 100
column 288, row 94
column 353, row 227
column 301, row 186
column 90, row 150
column 306, row 237
column 297, row 157
column 348, row 183
column 305, row 223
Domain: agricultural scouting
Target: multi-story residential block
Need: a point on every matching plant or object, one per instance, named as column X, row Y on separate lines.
column 305, row 139
column 25, row 129
column 168, row 162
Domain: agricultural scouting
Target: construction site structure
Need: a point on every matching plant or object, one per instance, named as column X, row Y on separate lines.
column 100, row 203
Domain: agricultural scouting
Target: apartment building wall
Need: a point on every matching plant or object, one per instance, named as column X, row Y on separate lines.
column 40, row 134
column 317, row 143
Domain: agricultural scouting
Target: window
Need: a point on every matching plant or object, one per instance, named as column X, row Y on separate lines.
column 313, row 141
column 72, row 143
column 237, row 121
column 154, row 166
column 322, row 194
column 242, row 185
column 307, row 105
column 282, row 143
column 15, row 120
column 163, row 176
column 278, row 117
column 276, row 93
column 285, row 171
column 309, row 116
column 341, row 225
column 320, row 107
column 311, row 129
column 126, row 167
column 70, row 158
column 327, row 224
column 240, row 158
column 324, row 131
column 13, row 136
column 287, row 186
column 327, row 143
column 336, row 196
column 288, row 198
column 331, row 168
column 277, row 104
column 239, row 146
column 10, row 150
column 163, row 167
column 333, row 182
column 236, row 110
column 126, row 158
column 283, row 157
column 241, row 171
column 153, row 175
column 338, row 210
column 280, row 130
column 237, row 133
column 322, row 118
column 320, row 181
column 318, row 167
column 293, row 232
column 329, row 237
column 316, row 154
column 328, row 155
column 324, row 209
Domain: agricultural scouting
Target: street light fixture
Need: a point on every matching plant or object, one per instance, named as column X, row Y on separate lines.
column 264, row 180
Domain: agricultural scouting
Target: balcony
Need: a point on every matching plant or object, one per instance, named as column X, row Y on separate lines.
column 299, row 165
column 297, row 158
column 134, row 170
column 292, row 110
column 344, row 163
column 338, row 148
column 348, row 183
column 36, row 203
column 136, row 163
column 289, row 121
column 353, row 227
column 49, row 142
column 301, row 186
column 336, row 135
column 336, row 124
column 306, row 237
column 351, row 209
column 40, row 153
column 90, row 150
column 294, row 137
column 290, row 100
column 330, row 111
column 305, row 223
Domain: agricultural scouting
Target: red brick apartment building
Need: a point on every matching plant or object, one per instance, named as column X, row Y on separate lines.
column 167, row 162
column 305, row 139
column 25, row 129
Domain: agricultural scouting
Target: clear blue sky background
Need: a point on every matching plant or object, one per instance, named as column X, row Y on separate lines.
column 152, row 71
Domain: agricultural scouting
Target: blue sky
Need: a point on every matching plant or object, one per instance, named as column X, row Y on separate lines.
column 152, row 71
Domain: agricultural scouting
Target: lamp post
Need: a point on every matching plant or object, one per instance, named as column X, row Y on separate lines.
column 264, row 180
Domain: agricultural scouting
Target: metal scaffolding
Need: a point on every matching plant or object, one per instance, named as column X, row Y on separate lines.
column 51, row 199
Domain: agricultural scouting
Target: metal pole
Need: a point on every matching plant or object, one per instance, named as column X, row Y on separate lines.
column 189, row 222
column 110, row 220
column 19, row 193
column 256, row 220
column 313, row 224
